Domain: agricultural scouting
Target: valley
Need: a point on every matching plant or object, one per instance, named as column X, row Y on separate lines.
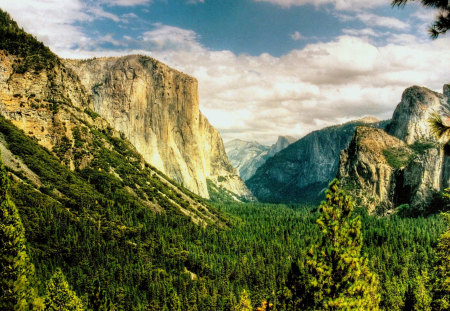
column 117, row 193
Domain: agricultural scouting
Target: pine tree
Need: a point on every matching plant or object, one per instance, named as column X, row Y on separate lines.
column 422, row 296
column 442, row 20
column 441, row 289
column 244, row 302
column 16, row 270
column 60, row 296
column 338, row 277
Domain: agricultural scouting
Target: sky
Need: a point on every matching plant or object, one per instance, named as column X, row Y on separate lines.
column 265, row 67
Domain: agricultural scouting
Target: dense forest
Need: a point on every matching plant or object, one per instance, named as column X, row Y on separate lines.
column 127, row 257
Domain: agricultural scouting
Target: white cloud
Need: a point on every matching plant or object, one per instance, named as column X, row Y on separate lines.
column 381, row 21
column 128, row 2
column 260, row 97
column 165, row 37
column 297, row 36
column 52, row 21
column 195, row 1
column 361, row 32
column 338, row 4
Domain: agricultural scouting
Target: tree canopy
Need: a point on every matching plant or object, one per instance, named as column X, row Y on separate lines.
column 442, row 21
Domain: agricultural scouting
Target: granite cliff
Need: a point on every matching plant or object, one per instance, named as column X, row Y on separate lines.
column 247, row 156
column 299, row 172
column 53, row 141
column 405, row 164
column 157, row 109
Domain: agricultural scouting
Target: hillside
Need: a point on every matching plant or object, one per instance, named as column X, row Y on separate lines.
column 301, row 171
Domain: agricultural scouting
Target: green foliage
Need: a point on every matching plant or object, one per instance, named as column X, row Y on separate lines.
column 398, row 157
column 33, row 54
column 221, row 195
column 117, row 252
column 421, row 146
column 244, row 302
column 338, row 277
column 442, row 20
column 16, row 270
column 441, row 288
column 91, row 113
column 59, row 296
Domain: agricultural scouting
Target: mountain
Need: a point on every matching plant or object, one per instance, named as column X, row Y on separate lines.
column 247, row 156
column 300, row 171
column 157, row 110
column 405, row 164
column 281, row 143
column 80, row 160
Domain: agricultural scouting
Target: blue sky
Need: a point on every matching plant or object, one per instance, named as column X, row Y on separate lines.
column 265, row 67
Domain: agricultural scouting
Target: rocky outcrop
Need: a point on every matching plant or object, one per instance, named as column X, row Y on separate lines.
column 410, row 119
column 406, row 166
column 157, row 109
column 247, row 156
column 299, row 172
column 364, row 170
column 281, row 143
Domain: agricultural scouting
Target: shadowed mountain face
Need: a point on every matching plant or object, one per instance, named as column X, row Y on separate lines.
column 246, row 156
column 300, row 171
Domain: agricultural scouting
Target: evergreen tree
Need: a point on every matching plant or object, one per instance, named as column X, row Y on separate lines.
column 60, row 296
column 244, row 302
column 16, row 270
column 441, row 290
column 442, row 22
column 338, row 276
column 421, row 294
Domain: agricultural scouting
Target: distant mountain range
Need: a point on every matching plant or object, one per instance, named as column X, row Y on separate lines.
column 299, row 172
column 247, row 156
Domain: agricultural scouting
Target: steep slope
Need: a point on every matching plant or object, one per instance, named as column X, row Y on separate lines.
column 364, row 169
column 407, row 167
column 303, row 169
column 247, row 156
column 157, row 109
column 46, row 100
column 281, row 143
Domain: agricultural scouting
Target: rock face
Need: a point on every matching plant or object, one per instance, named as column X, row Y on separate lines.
column 410, row 119
column 404, row 165
column 157, row 109
column 282, row 143
column 247, row 156
column 299, row 172
column 44, row 104
column 364, row 169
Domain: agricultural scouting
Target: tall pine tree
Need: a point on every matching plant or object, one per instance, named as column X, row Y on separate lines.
column 338, row 277
column 59, row 295
column 16, row 270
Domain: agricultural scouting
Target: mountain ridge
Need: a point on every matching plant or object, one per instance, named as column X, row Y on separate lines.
column 247, row 156
column 303, row 169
